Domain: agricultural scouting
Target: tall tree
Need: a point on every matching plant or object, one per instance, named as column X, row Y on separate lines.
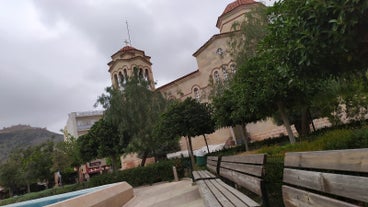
column 108, row 141
column 189, row 119
column 306, row 42
column 225, row 94
column 135, row 110
column 310, row 41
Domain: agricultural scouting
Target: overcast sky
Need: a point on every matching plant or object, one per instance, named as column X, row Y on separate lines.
column 54, row 53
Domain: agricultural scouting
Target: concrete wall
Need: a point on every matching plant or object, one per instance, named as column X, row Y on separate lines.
column 114, row 196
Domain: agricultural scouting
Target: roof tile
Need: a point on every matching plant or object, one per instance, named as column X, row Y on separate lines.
column 235, row 4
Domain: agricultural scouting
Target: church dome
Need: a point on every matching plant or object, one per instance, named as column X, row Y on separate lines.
column 127, row 48
column 232, row 6
column 236, row 4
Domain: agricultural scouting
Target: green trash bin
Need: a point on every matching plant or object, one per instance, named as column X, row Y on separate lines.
column 201, row 159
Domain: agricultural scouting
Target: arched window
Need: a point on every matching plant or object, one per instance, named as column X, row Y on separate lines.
column 233, row 68
column 224, row 71
column 197, row 95
column 146, row 74
column 121, row 80
column 216, row 76
column 125, row 73
column 140, row 74
column 116, row 80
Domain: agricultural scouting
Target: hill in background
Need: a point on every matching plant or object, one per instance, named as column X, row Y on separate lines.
column 23, row 136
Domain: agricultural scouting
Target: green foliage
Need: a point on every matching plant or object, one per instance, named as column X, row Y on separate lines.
column 227, row 96
column 188, row 118
column 66, row 155
column 249, row 33
column 27, row 166
column 88, row 147
column 108, row 141
column 161, row 171
column 157, row 172
column 22, row 136
column 329, row 140
column 318, row 38
column 306, row 43
column 135, row 110
column 273, row 179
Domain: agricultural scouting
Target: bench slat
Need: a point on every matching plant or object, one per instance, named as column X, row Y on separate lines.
column 212, row 158
column 299, row 198
column 343, row 185
column 244, row 198
column 196, row 175
column 355, row 160
column 209, row 199
column 211, row 162
column 218, row 194
column 202, row 175
column 259, row 159
column 231, row 197
column 249, row 182
column 256, row 170
column 206, row 174
column 212, row 169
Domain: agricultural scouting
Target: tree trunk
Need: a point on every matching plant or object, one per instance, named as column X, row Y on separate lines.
column 191, row 151
column 11, row 193
column 144, row 158
column 113, row 163
column 285, row 119
column 28, row 187
column 311, row 120
column 305, row 129
column 205, row 140
column 245, row 137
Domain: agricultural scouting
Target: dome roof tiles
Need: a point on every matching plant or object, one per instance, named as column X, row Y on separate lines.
column 236, row 4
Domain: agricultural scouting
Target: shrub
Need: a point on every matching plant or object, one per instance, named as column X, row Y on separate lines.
column 161, row 171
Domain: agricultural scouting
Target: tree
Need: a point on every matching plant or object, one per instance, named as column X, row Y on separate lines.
column 10, row 173
column 135, row 110
column 87, row 147
column 27, row 166
column 304, row 45
column 226, row 94
column 310, row 41
column 66, row 155
column 108, row 141
column 189, row 119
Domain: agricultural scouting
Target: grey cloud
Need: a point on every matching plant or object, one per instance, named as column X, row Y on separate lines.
column 54, row 53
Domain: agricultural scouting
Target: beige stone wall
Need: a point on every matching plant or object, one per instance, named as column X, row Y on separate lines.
column 131, row 161
column 218, row 137
column 209, row 63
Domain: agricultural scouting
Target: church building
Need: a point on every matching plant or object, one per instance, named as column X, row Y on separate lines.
column 214, row 63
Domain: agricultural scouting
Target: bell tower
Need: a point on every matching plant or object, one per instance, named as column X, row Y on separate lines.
column 123, row 63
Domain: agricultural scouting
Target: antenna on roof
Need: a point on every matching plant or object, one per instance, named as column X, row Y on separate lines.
column 130, row 41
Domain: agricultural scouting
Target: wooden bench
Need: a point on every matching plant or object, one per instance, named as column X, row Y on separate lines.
column 212, row 166
column 245, row 171
column 326, row 178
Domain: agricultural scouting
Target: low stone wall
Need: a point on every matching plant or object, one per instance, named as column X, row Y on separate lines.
column 114, row 196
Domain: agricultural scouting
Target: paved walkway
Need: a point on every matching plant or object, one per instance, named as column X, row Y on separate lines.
column 181, row 193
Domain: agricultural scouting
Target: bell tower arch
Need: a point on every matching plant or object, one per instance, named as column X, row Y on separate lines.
column 123, row 63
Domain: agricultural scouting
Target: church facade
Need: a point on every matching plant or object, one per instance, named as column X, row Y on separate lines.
column 214, row 63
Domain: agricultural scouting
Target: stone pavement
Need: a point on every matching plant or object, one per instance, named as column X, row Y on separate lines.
column 181, row 193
